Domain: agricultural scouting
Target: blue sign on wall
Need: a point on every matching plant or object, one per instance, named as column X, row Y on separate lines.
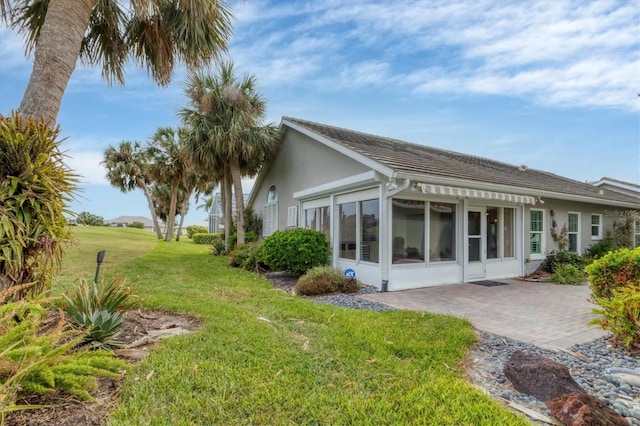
column 349, row 273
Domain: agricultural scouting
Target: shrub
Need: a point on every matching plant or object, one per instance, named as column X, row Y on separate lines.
column 196, row 229
column 249, row 237
column 565, row 257
column 296, row 250
column 246, row 256
column 599, row 249
column 35, row 186
column 38, row 361
column 205, row 238
column 621, row 315
column 137, row 225
column 351, row 285
column 252, row 222
column 566, row 273
column 620, row 268
column 320, row 280
column 218, row 247
column 96, row 308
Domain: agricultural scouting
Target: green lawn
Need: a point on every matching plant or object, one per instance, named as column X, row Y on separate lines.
column 266, row 357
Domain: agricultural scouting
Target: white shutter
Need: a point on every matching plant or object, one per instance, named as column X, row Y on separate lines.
column 292, row 217
column 269, row 219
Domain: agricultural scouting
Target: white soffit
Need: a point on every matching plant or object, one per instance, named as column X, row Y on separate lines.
column 427, row 188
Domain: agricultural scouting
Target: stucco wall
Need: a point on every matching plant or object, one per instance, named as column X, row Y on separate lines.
column 301, row 163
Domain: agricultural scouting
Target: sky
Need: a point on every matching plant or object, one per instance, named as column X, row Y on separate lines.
column 551, row 84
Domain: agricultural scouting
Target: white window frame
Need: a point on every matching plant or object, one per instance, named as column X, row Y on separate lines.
column 599, row 236
column 543, row 249
column 577, row 232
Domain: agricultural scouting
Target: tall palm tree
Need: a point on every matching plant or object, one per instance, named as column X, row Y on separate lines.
column 156, row 34
column 127, row 169
column 170, row 165
column 225, row 121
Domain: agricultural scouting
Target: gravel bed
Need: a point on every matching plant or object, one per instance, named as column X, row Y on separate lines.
column 601, row 369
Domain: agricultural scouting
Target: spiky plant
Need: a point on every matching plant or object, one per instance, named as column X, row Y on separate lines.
column 35, row 186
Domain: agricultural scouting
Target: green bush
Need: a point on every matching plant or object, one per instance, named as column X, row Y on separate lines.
column 137, row 225
column 565, row 257
column 621, row 315
column 620, row 268
column 196, row 229
column 247, row 256
column 249, row 237
column 35, row 188
column 205, row 238
column 95, row 309
column 218, row 247
column 320, row 280
column 566, row 273
column 296, row 250
column 34, row 360
column 599, row 249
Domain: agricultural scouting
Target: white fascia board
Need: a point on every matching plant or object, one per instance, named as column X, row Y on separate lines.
column 350, row 182
column 516, row 189
column 374, row 165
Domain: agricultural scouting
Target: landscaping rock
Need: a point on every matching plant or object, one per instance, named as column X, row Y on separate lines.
column 540, row 377
column 584, row 410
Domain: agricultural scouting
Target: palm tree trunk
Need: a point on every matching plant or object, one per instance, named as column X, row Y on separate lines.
column 236, row 177
column 154, row 216
column 171, row 218
column 183, row 213
column 228, row 215
column 56, row 54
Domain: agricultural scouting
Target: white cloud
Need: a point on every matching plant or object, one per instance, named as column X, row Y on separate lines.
column 87, row 166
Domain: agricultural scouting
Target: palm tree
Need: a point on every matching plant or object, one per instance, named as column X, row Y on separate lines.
column 224, row 118
column 156, row 34
column 170, row 165
column 127, row 169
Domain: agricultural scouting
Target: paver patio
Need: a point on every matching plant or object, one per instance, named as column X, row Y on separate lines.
column 547, row 315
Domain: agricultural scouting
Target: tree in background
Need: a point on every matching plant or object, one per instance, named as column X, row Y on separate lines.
column 89, row 219
column 127, row 170
column 224, row 119
column 155, row 34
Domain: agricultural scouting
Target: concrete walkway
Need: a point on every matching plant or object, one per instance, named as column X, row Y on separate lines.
column 547, row 315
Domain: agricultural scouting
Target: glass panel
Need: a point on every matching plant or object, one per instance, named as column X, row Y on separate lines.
column 536, row 243
column 348, row 231
column 442, row 232
column 370, row 215
column 595, row 230
column 310, row 219
column 325, row 221
column 474, row 249
column 595, row 219
column 536, row 220
column 573, row 222
column 492, row 233
column 573, row 242
column 508, row 226
column 475, row 224
column 272, row 195
column 407, row 231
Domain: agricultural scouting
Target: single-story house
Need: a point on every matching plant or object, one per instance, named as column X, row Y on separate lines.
column 403, row 215
column 124, row 221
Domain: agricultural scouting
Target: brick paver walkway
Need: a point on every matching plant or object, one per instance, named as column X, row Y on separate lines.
column 547, row 315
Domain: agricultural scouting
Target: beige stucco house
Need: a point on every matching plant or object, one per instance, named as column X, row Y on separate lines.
column 407, row 216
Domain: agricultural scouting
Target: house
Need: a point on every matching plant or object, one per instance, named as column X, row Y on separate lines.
column 628, row 188
column 216, row 223
column 405, row 216
column 124, row 221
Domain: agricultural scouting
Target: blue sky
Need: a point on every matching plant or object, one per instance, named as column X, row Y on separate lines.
column 550, row 84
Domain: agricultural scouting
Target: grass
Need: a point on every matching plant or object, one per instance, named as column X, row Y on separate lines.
column 266, row 357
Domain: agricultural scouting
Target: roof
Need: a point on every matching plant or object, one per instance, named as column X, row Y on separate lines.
column 410, row 158
column 125, row 220
column 617, row 185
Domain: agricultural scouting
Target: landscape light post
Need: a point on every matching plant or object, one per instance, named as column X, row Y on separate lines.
column 99, row 260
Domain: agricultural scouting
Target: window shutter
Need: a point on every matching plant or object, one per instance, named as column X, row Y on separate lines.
column 292, row 217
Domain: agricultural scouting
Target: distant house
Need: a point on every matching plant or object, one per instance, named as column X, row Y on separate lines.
column 627, row 188
column 403, row 215
column 216, row 223
column 124, row 221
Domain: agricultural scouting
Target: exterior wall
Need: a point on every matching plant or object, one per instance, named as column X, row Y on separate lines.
column 561, row 208
column 301, row 163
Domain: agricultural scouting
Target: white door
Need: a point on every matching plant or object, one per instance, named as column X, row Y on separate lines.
column 476, row 254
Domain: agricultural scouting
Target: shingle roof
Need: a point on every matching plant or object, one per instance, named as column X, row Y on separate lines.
column 413, row 158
